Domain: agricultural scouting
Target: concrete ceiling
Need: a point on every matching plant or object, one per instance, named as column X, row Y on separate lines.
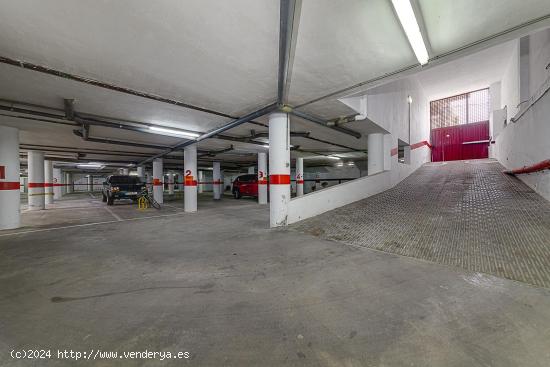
column 223, row 56
column 453, row 24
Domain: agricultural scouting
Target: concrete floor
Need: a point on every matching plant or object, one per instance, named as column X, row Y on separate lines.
column 222, row 286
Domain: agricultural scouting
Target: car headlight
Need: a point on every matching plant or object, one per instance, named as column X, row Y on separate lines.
column 115, row 188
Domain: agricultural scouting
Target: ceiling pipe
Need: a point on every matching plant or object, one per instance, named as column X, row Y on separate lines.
column 86, row 137
column 287, row 11
column 235, row 123
column 97, row 83
column 322, row 122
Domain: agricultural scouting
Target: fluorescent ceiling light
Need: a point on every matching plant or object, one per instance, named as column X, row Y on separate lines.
column 174, row 132
column 333, row 157
column 90, row 165
column 406, row 16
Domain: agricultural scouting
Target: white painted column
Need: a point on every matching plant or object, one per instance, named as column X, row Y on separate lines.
column 125, row 171
column 299, row 176
column 217, row 180
column 62, row 182
column 48, row 182
column 90, row 183
column 375, row 160
column 251, row 170
column 262, row 178
column 158, row 178
column 179, row 182
column 141, row 173
column 171, row 183
column 279, row 168
column 69, row 182
column 149, row 182
column 9, row 178
column 201, row 184
column 36, row 180
column 190, row 179
column 57, row 183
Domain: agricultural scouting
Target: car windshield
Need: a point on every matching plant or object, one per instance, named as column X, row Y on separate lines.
column 247, row 178
column 124, row 180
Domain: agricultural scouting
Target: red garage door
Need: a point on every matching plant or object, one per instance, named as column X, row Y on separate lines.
column 460, row 126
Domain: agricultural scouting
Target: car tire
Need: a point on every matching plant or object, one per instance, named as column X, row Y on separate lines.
column 103, row 198
column 237, row 194
column 110, row 200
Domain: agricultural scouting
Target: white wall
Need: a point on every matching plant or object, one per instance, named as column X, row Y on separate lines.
column 387, row 106
column 526, row 141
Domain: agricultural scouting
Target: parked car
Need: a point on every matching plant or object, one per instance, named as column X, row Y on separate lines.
column 245, row 185
column 121, row 187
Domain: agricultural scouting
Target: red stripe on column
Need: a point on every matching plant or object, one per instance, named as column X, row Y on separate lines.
column 394, row 151
column 9, row 185
column 36, row 184
column 48, row 184
column 156, row 182
column 300, row 181
column 190, row 183
column 263, row 181
column 279, row 179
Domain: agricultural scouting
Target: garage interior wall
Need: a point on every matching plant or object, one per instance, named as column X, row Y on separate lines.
column 387, row 107
column 526, row 141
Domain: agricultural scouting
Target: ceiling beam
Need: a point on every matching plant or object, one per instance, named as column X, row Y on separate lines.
column 289, row 20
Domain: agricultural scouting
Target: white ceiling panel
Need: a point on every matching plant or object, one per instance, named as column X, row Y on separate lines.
column 343, row 42
column 453, row 24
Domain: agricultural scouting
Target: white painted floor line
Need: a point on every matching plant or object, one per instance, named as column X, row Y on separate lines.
column 88, row 224
column 92, row 195
column 113, row 214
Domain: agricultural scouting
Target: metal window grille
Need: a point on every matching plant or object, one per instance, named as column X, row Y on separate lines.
column 467, row 108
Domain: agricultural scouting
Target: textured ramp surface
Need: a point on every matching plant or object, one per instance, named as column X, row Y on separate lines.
column 464, row 213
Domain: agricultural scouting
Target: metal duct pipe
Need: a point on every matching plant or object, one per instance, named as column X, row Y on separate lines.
column 322, row 122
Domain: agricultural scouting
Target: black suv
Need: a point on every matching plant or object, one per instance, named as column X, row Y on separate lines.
column 121, row 187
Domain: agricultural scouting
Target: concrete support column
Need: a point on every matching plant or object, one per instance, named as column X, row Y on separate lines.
column 9, row 178
column 69, row 182
column 141, row 173
column 201, row 184
column 217, row 180
column 299, row 176
column 57, row 183
column 48, row 182
column 158, row 184
column 62, row 181
column 149, row 181
column 190, row 179
column 90, row 183
column 279, row 168
column 171, row 183
column 36, row 180
column 375, row 160
column 262, row 178
column 125, row 171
